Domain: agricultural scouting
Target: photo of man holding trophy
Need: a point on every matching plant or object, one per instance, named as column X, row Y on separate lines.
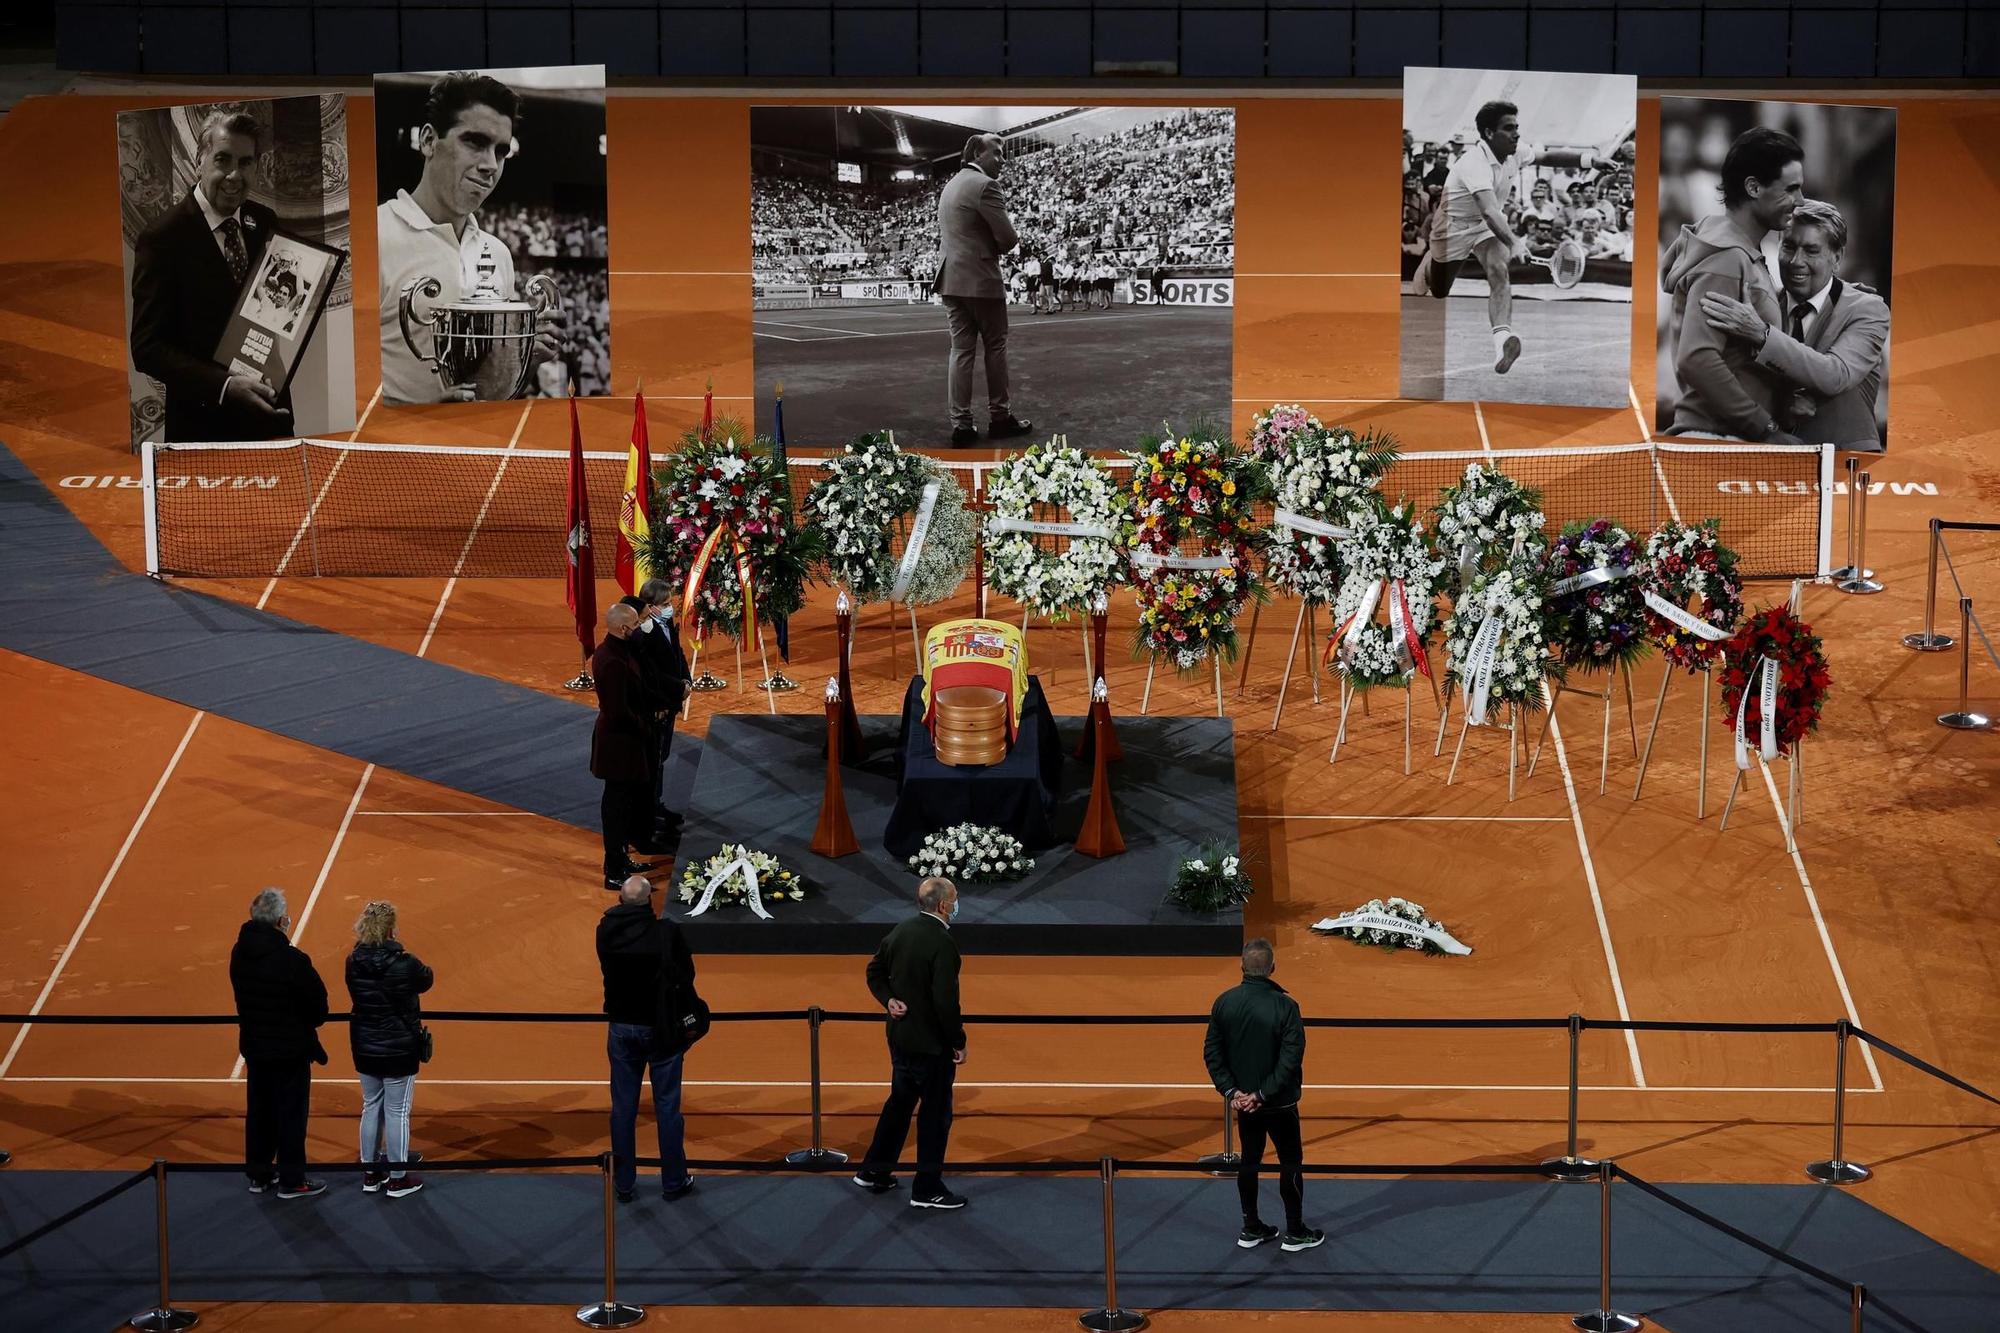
column 484, row 263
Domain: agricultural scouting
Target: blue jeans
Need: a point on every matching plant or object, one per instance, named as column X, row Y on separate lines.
column 631, row 1048
column 385, row 1120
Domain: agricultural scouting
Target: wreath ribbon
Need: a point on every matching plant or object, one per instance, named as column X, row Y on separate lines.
column 1765, row 670
column 1394, row 925
column 698, row 575
column 1285, row 518
column 920, row 529
column 1049, row 529
column 1701, row 629
column 1480, row 660
column 741, row 865
column 1347, row 635
column 1403, row 629
column 1150, row 561
column 1590, row 578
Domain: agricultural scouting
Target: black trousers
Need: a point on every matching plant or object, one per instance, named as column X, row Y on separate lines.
column 627, row 815
column 274, row 1124
column 920, row 1084
column 662, row 747
column 1281, row 1126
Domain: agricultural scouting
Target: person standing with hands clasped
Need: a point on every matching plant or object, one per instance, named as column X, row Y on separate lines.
column 914, row 974
column 1256, row 1051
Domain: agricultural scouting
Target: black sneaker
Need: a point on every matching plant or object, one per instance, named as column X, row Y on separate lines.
column 944, row 1200
column 964, row 435
column 680, row 1191
column 1303, row 1239
column 1007, row 427
column 626, row 1196
column 875, row 1184
column 305, row 1189
column 258, row 1186
column 1254, row 1235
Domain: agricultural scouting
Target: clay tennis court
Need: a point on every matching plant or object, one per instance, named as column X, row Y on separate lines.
column 137, row 829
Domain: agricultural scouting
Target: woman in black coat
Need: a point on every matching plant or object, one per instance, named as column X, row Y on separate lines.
column 386, row 1031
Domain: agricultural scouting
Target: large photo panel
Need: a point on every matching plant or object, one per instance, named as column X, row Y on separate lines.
column 238, row 301
column 491, row 225
column 975, row 275
column 1517, row 236
column 1775, row 246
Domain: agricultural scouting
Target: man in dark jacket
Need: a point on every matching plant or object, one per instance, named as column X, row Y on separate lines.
column 280, row 1004
column 914, row 974
column 634, row 947
column 665, row 670
column 1256, row 1052
column 621, row 745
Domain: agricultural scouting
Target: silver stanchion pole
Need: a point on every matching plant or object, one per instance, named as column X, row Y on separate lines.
column 610, row 1312
column 1110, row 1319
column 1569, row 1166
column 1862, row 580
column 1963, row 718
column 163, row 1317
column 1853, row 568
column 1604, row 1319
column 815, row 1155
column 1928, row 640
column 1837, row 1170
column 1224, row 1163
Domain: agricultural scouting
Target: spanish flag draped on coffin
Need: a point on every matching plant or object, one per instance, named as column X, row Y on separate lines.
column 989, row 653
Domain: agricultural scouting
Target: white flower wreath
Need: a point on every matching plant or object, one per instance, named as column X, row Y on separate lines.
column 721, row 880
column 1053, row 583
column 970, row 853
column 1479, row 522
column 869, row 491
column 1390, row 569
column 1497, row 638
column 1316, row 482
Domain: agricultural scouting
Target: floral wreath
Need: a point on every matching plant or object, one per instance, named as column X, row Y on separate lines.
column 1274, row 431
column 1683, row 562
column 1773, row 641
column 1399, row 909
column 866, row 495
column 1201, row 492
column 971, row 854
column 1497, row 638
column 1323, row 476
column 1053, row 583
column 1480, row 519
column 1390, row 567
column 722, row 511
column 1597, row 616
column 738, row 874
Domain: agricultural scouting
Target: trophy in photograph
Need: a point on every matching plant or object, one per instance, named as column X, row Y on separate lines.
column 484, row 341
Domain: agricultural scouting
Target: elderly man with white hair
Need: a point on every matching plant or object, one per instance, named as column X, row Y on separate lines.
column 280, row 1004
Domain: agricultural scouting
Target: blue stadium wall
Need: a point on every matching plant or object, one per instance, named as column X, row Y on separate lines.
column 1041, row 39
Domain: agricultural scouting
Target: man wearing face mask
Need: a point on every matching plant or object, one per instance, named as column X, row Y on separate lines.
column 621, row 745
column 914, row 975
column 975, row 231
column 470, row 121
column 664, row 668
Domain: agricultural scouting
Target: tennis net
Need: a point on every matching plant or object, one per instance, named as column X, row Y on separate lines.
column 319, row 508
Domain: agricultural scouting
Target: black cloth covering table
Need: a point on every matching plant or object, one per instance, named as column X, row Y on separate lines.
column 1018, row 795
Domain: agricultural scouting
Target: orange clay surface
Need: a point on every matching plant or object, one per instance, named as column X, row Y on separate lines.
column 1574, row 901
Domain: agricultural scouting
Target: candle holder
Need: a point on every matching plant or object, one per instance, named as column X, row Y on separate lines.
column 853, row 747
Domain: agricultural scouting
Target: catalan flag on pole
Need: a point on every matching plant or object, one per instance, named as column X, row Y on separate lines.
column 580, row 590
column 636, row 504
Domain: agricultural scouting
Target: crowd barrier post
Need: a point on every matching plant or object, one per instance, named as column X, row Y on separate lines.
column 1928, row 640
column 1110, row 1319
column 1569, row 1166
column 1837, row 1170
column 162, row 1318
column 1862, row 579
column 610, row 1312
column 1604, row 1319
column 1853, row 568
column 1224, row 1163
column 1963, row 718
column 815, row 1155
column 1856, row 1299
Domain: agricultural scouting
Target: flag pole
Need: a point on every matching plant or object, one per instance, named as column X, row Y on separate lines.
column 775, row 682
column 580, row 574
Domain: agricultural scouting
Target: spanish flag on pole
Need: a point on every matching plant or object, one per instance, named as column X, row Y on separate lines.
column 636, row 503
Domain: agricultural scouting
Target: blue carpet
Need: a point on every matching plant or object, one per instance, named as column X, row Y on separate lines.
column 1422, row 1245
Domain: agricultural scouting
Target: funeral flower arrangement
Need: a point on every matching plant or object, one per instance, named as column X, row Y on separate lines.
column 970, row 853
column 1596, row 615
column 1497, row 637
column 1777, row 637
column 1324, row 475
column 724, row 504
column 1275, row 431
column 870, row 494
column 1210, row 882
column 1055, row 573
column 1402, row 909
column 1192, row 529
column 1384, row 610
column 1683, row 562
column 774, row 881
column 1480, row 520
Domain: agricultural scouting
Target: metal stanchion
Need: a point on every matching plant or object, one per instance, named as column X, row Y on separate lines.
column 1224, row 1163
column 1861, row 579
column 1856, row 1299
column 163, row 1317
column 1569, row 1166
column 1853, row 568
column 815, row 1155
column 610, row 1312
column 1928, row 640
column 1963, row 718
column 1836, row 1170
column 1110, row 1319
column 1604, row 1319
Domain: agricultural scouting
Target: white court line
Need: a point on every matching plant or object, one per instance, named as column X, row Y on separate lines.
column 1646, row 434
column 821, row 328
column 1441, row 819
column 1632, row 395
column 446, row 814
column 306, row 522
column 1013, row 329
column 76, row 937
column 472, row 534
column 1596, row 898
column 1819, row 921
column 1479, row 416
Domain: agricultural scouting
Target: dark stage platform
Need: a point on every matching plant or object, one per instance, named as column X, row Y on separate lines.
column 758, row 782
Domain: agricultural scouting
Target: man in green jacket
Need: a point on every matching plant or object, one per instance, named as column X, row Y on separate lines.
column 914, row 975
column 1256, row 1052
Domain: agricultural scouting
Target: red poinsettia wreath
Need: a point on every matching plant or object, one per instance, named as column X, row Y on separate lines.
column 1803, row 679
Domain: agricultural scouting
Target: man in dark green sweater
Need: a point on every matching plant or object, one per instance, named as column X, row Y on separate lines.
column 1256, row 1052
column 914, row 974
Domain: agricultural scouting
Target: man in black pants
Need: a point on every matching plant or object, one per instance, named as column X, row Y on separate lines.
column 915, row 976
column 280, row 1004
column 621, row 746
column 665, row 669
column 1256, row 1051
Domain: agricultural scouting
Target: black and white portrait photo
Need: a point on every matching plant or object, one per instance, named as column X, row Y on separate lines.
column 205, row 192
column 973, row 275
column 492, row 233
column 1775, row 246
column 1517, row 233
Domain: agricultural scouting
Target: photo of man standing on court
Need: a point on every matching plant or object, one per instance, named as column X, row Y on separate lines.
column 974, row 231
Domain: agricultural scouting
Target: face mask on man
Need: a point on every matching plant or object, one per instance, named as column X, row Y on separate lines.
column 646, row 627
column 952, row 915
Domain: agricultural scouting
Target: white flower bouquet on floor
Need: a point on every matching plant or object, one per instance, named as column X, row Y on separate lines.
column 738, row 874
column 1392, row 923
column 971, row 853
column 1210, row 882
